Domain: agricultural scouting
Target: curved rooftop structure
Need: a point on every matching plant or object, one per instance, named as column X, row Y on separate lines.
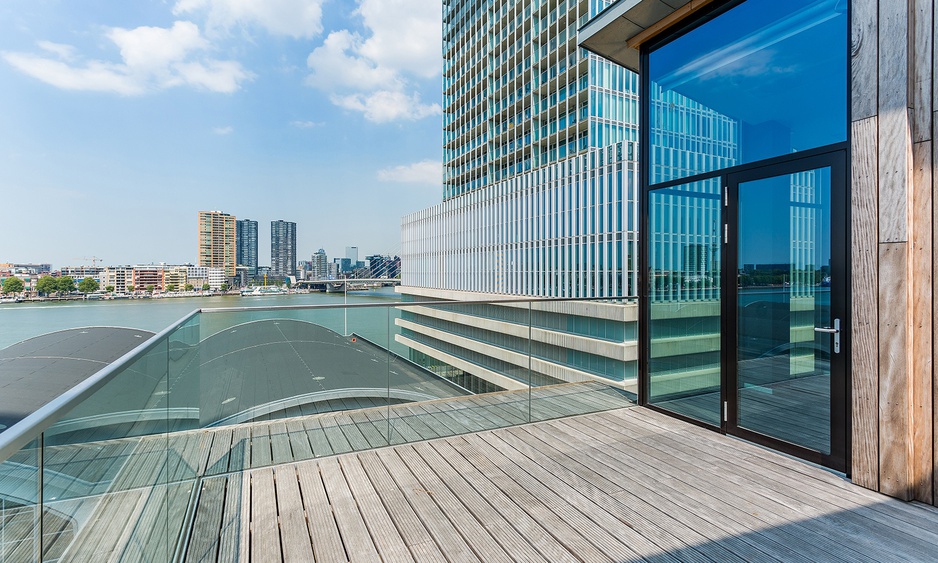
column 39, row 369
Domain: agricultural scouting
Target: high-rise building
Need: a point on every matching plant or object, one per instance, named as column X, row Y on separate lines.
column 351, row 252
column 319, row 265
column 539, row 188
column 247, row 245
column 218, row 241
column 282, row 248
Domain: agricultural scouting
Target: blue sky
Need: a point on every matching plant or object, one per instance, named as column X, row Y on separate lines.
column 119, row 121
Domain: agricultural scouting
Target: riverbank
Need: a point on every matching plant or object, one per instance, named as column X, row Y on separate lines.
column 19, row 321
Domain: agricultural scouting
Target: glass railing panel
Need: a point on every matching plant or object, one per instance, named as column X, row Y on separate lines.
column 20, row 507
column 583, row 356
column 106, row 465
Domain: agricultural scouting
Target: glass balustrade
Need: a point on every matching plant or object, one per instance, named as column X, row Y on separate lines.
column 112, row 471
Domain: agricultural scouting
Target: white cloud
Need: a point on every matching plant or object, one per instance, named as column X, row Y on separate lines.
column 294, row 18
column 375, row 73
column 423, row 172
column 64, row 52
column 304, row 124
column 152, row 58
column 227, row 130
column 387, row 105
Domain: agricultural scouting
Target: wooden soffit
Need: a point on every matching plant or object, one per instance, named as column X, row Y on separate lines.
column 617, row 32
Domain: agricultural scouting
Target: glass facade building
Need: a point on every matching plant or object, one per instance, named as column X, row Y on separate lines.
column 247, row 245
column 282, row 248
column 539, row 192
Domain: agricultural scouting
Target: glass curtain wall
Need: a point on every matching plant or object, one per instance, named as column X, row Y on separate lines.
column 756, row 82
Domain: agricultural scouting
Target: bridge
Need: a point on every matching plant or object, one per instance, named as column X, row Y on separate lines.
column 346, row 284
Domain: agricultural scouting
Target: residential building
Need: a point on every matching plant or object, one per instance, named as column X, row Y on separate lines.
column 282, row 248
column 319, row 265
column 118, row 277
column 217, row 246
column 148, row 275
column 540, row 173
column 351, row 252
column 246, row 235
column 79, row 273
column 177, row 276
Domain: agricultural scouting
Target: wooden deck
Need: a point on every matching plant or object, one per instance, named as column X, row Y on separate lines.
column 623, row 485
column 626, row 485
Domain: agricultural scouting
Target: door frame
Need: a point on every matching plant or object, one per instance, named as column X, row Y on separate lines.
column 840, row 271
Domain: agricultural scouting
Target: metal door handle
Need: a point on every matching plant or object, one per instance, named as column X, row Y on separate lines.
column 835, row 330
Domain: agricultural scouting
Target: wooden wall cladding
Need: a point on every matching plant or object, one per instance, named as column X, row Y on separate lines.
column 893, row 194
column 865, row 306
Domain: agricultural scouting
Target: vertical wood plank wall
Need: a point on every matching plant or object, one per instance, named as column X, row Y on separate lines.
column 893, row 212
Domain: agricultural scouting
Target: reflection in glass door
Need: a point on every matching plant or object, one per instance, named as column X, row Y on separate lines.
column 786, row 329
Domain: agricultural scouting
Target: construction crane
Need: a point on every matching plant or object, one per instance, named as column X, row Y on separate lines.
column 94, row 260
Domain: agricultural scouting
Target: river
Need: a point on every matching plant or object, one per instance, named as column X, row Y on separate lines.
column 19, row 321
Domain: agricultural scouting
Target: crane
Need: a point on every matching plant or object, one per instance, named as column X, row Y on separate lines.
column 94, row 260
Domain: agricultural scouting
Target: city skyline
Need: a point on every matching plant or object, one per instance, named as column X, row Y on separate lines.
column 127, row 119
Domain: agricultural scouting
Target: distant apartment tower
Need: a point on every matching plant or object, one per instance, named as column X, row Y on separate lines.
column 282, row 248
column 218, row 241
column 247, row 245
column 351, row 252
column 319, row 266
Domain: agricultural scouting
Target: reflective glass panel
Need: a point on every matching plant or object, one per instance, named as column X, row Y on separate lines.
column 765, row 79
column 784, row 293
column 684, row 237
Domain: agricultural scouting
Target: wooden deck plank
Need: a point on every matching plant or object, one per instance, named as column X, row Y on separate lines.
column 282, row 451
column 437, row 474
column 260, row 446
column 355, row 535
column 217, row 461
column 702, row 507
column 564, row 526
column 239, row 457
column 235, row 541
column 321, row 524
column 299, row 440
column 759, row 496
column 265, row 535
column 412, row 530
column 886, row 536
column 338, row 442
column 294, row 535
column 387, row 539
column 607, row 517
column 440, row 528
column 207, row 523
column 317, row 437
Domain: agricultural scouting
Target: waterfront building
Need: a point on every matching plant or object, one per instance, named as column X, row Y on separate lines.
column 246, row 236
column 217, row 243
column 38, row 269
column 118, row 277
column 381, row 266
column 282, row 248
column 351, row 252
column 177, row 276
column 319, row 265
column 539, row 187
column 145, row 276
column 79, row 273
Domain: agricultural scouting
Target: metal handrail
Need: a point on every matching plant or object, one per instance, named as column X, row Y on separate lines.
column 511, row 299
column 28, row 429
